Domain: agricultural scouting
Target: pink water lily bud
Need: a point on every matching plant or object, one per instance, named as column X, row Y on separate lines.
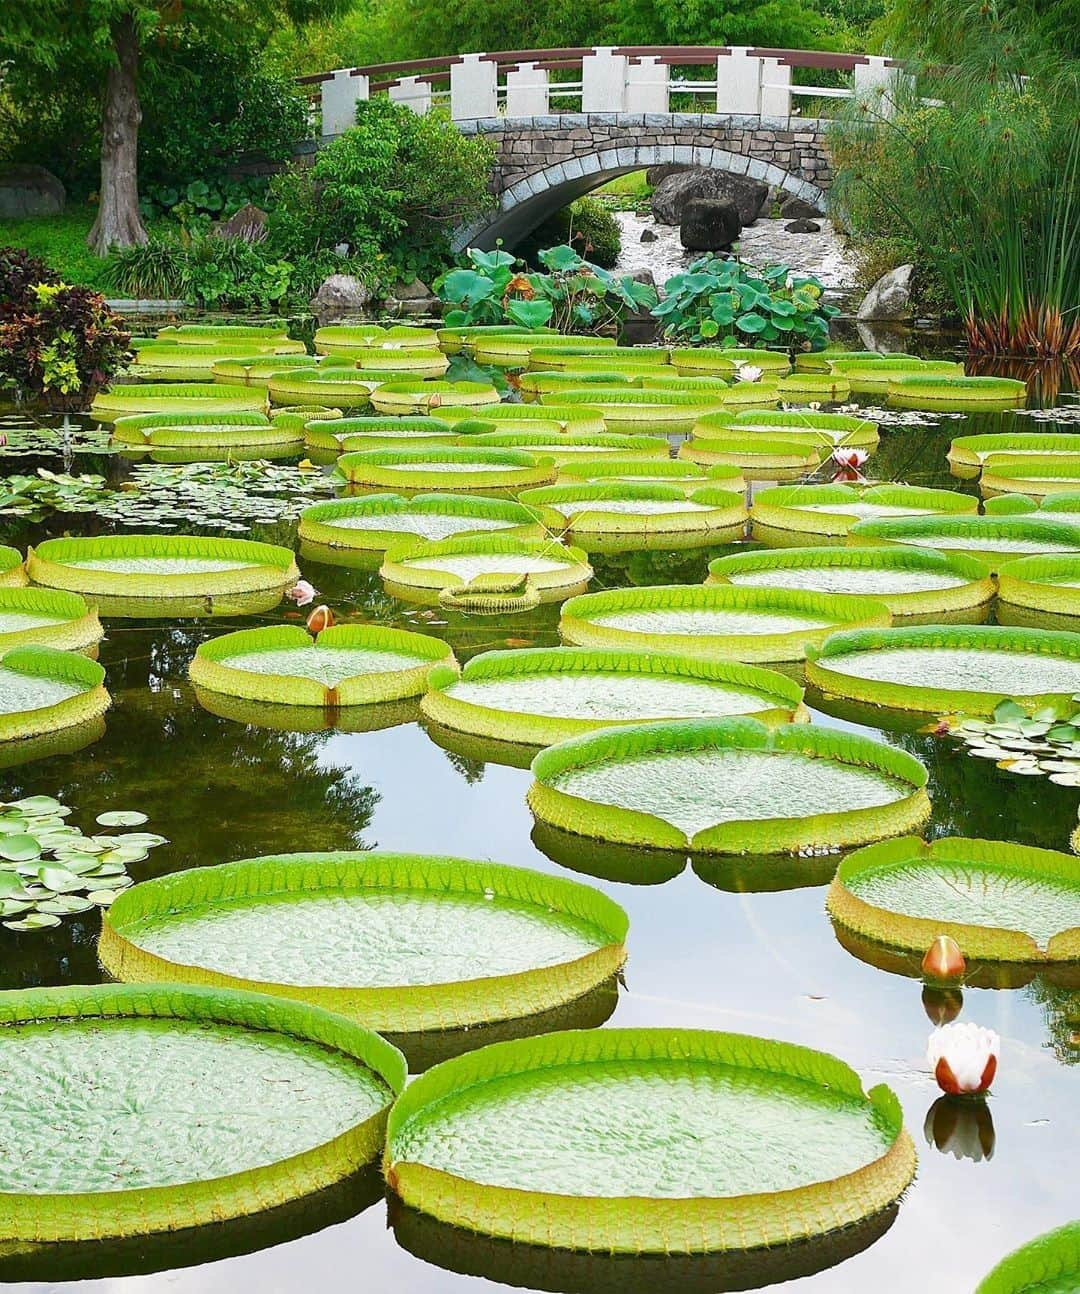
column 302, row 593
column 748, row 373
column 944, row 960
column 964, row 1058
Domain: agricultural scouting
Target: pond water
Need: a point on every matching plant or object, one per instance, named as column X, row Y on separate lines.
column 700, row 956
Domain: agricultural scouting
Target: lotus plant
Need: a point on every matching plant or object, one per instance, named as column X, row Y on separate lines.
column 964, row 1058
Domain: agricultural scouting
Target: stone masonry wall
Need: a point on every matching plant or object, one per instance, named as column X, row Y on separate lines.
column 531, row 144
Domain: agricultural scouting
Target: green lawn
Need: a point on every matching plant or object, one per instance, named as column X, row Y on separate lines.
column 628, row 186
column 61, row 241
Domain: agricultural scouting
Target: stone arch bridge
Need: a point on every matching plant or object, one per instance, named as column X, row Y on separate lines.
column 566, row 121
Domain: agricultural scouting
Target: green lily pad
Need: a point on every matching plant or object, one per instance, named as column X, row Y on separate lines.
column 103, row 898
column 20, row 848
column 33, row 921
column 121, row 818
column 64, row 905
column 60, row 880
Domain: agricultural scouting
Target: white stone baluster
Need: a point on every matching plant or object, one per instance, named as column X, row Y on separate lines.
column 527, row 91
column 876, row 83
column 647, row 85
column 474, row 88
column 738, row 83
column 340, row 95
column 603, row 81
column 413, row 93
column 775, row 89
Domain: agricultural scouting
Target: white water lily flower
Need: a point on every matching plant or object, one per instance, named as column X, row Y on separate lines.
column 748, row 373
column 964, row 1058
column 302, row 593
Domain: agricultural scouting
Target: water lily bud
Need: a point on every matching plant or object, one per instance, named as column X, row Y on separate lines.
column 964, row 1058
column 321, row 618
column 944, row 960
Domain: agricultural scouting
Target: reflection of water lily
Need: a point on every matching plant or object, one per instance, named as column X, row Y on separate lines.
column 748, row 373
column 302, row 593
column 942, row 1005
column 944, row 960
column 964, row 1058
column 963, row 1129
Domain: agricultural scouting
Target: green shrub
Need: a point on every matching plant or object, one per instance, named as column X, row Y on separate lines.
column 587, row 225
column 396, row 185
column 728, row 303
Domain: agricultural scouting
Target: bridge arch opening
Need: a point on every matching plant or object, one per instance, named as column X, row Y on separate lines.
column 527, row 203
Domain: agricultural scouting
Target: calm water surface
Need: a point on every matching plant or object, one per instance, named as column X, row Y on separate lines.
column 764, row 963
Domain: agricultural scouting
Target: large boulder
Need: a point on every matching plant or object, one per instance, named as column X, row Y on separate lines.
column 889, row 300
column 798, row 209
column 248, row 225
column 709, row 225
column 29, row 191
column 339, row 296
column 658, row 174
column 749, row 197
column 412, row 298
column 803, row 227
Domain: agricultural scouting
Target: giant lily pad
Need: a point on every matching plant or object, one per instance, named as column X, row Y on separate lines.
column 992, row 539
column 185, row 363
column 377, row 522
column 564, row 447
column 623, row 407
column 758, row 457
column 538, row 696
column 48, row 617
column 255, row 335
column 1048, row 1265
column 485, row 563
column 287, row 1099
column 514, row 350
column 345, row 665
column 728, row 786
column 825, row 429
column 1034, row 589
column 616, row 517
column 463, row 471
column 930, row 391
column 12, row 570
column 405, row 361
column 256, row 369
column 636, row 471
column 1032, row 475
column 348, row 338
column 585, row 355
column 43, row 690
column 398, row 397
column 967, row 454
column 742, row 623
column 156, row 575
column 532, row 417
column 345, row 388
column 647, row 1140
column 462, row 338
column 220, row 434
column 821, row 514
column 401, row 942
column 938, row 670
column 1001, row 902
column 169, row 398
column 718, row 359
column 918, row 585
column 344, row 435
column 873, row 376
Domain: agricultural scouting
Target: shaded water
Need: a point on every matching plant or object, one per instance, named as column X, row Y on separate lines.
column 700, row 955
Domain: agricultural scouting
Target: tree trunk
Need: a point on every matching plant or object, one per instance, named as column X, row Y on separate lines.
column 118, row 223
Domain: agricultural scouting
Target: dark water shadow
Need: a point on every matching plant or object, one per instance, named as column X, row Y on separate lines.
column 565, row 1271
column 48, row 1263
column 590, row 1011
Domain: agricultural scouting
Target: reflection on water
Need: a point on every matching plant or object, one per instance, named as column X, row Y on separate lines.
column 737, row 947
column 962, row 1127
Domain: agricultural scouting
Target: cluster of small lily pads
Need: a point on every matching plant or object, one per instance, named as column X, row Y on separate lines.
column 1043, row 744
column 229, row 496
column 49, row 869
column 34, row 497
column 899, row 417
